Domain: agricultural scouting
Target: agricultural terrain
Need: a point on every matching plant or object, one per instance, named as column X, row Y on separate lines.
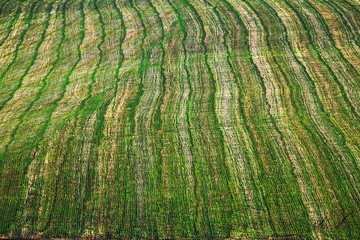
column 180, row 119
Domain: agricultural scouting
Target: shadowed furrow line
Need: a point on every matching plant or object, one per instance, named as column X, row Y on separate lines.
column 344, row 19
column 46, row 80
column 333, row 138
column 10, row 186
column 336, row 26
column 191, row 173
column 244, row 67
column 100, row 106
column 119, row 128
column 323, row 105
column 31, row 205
column 157, row 125
column 286, row 141
column 2, row 7
column 22, row 36
column 313, row 199
column 311, row 102
column 33, row 178
column 121, row 50
column 49, row 213
column 145, row 151
column 192, row 34
column 230, row 122
column 86, row 119
column 209, row 167
column 84, row 94
column 11, row 23
column 137, row 223
column 343, row 151
column 8, row 82
column 106, row 177
column 348, row 59
column 192, row 119
column 178, row 80
column 176, row 164
column 43, row 34
column 233, row 124
column 341, row 142
column 328, row 131
column 336, row 64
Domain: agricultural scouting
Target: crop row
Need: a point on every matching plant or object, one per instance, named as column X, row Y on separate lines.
column 180, row 119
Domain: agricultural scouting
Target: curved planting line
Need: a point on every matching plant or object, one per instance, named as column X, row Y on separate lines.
column 332, row 127
column 45, row 81
column 3, row 6
column 12, row 135
column 22, row 36
column 347, row 19
column 145, row 153
column 354, row 3
column 121, row 51
column 242, row 104
column 331, row 36
column 83, row 211
column 317, row 99
column 132, row 105
column 14, row 214
column 279, row 125
column 321, row 59
column 157, row 121
column 343, row 20
column 266, row 80
column 101, row 43
column 79, row 227
column 332, row 73
column 321, row 106
column 221, row 165
column 129, row 99
column 242, row 158
column 100, row 107
column 157, row 116
column 140, row 92
column 232, row 127
column 187, row 116
column 200, row 181
column 300, row 120
column 118, row 79
column 67, row 80
column 329, row 126
column 37, row 143
column 356, row 8
column 12, row 23
column 272, row 122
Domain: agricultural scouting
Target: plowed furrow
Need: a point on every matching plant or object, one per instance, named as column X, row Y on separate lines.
column 311, row 101
column 337, row 65
column 192, row 119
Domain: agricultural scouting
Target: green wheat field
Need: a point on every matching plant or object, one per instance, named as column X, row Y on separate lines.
column 180, row 119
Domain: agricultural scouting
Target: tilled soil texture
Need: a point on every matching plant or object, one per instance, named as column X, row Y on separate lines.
column 180, row 119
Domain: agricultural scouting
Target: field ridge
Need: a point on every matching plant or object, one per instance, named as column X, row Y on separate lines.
column 193, row 119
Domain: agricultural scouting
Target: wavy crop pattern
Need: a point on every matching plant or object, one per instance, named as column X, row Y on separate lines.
column 192, row 119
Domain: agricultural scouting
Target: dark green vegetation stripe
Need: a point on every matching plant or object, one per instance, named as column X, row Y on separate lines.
column 25, row 74
column 13, row 20
column 187, row 119
column 28, row 22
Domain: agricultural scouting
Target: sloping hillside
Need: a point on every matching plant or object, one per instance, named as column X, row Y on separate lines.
column 180, row 119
